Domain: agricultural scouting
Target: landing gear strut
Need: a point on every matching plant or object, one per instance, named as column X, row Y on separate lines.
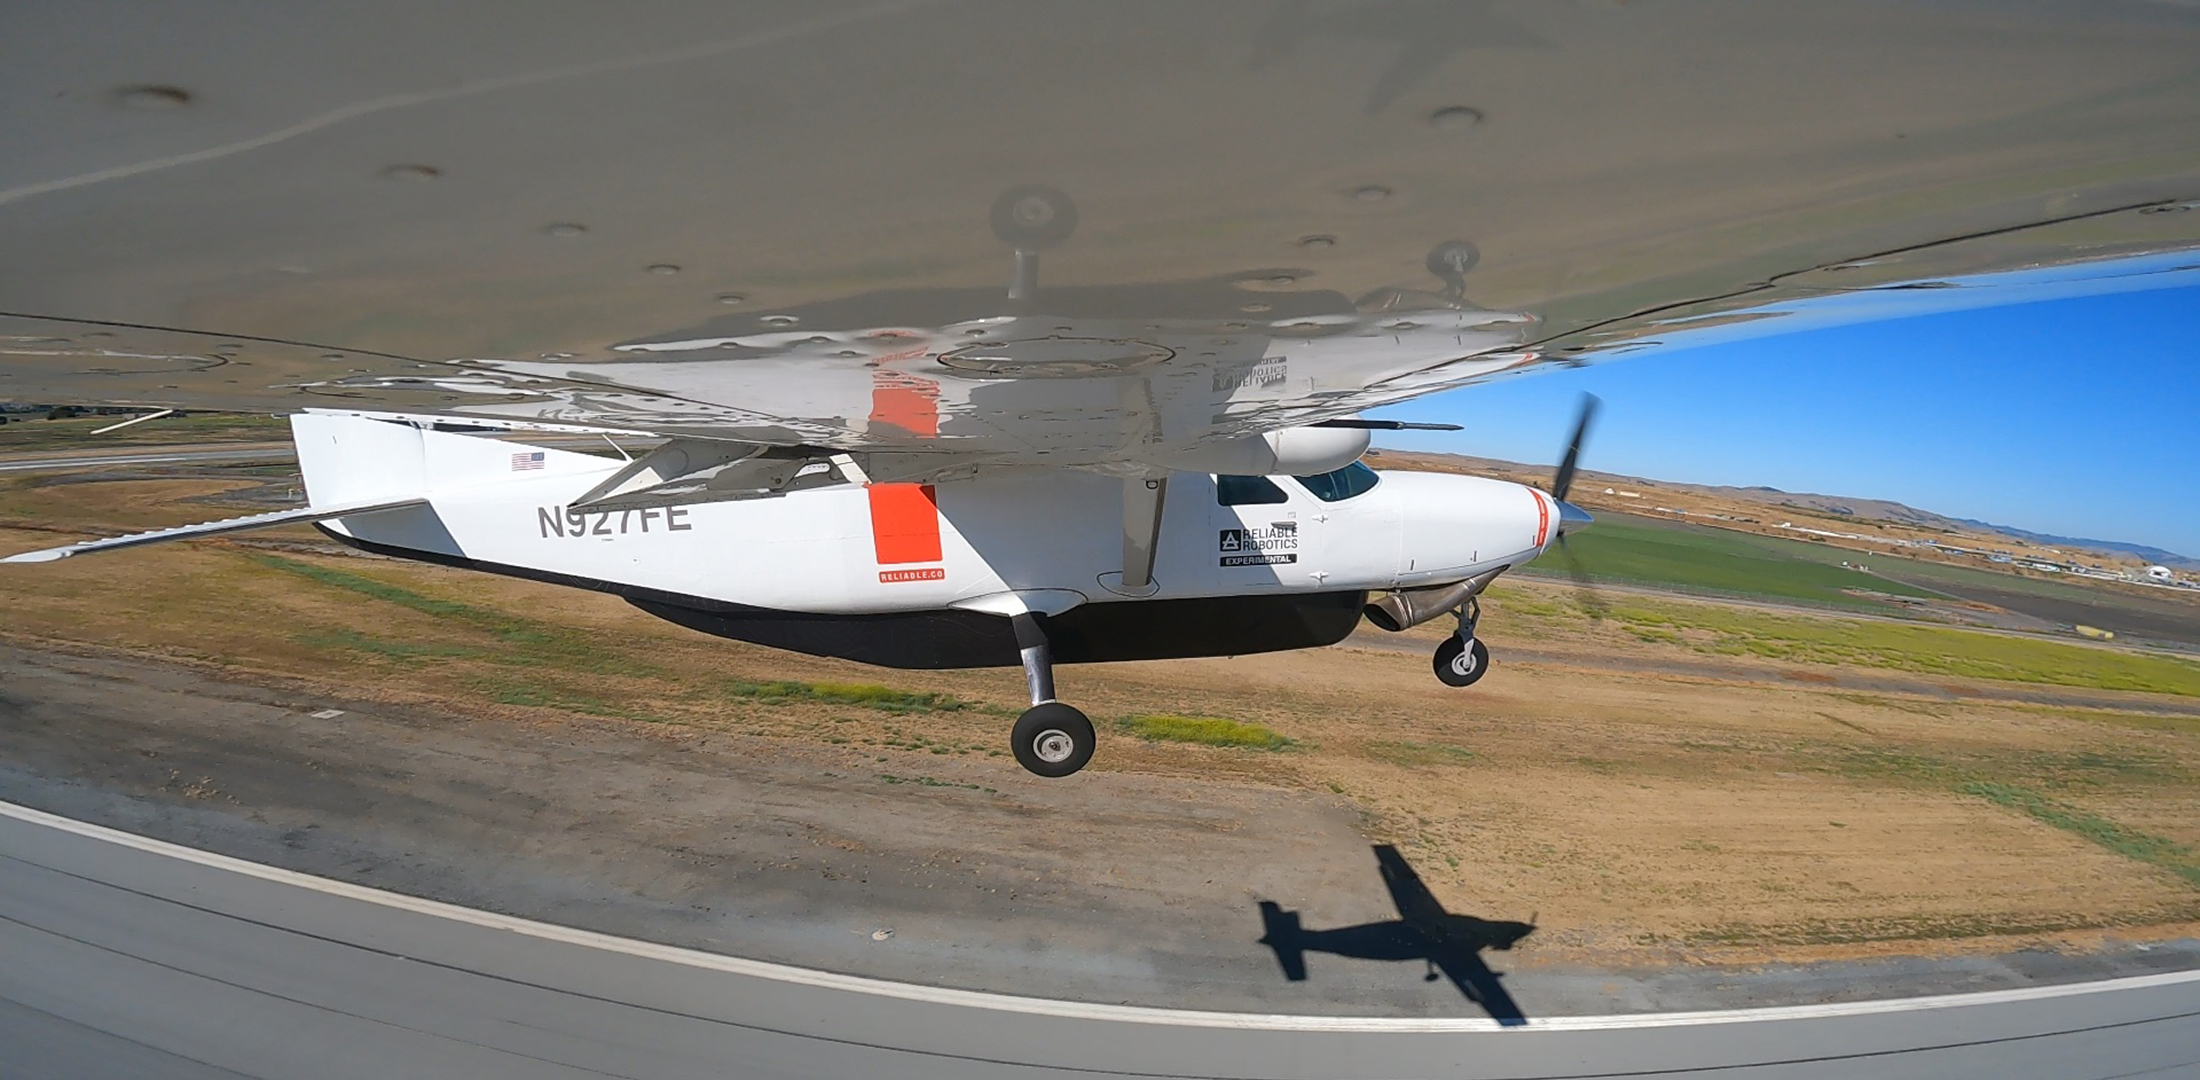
column 1462, row 659
column 1050, row 738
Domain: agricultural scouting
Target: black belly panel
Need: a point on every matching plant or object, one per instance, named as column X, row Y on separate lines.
column 1092, row 633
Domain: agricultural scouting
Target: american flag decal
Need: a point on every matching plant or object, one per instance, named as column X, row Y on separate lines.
column 526, row 462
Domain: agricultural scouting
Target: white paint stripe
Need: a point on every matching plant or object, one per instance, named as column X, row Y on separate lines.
column 1072, row 1010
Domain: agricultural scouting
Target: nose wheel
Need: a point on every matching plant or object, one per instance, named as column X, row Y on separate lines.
column 1461, row 663
column 1462, row 659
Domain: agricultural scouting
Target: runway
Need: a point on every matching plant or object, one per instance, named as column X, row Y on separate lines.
column 171, row 457
column 132, row 957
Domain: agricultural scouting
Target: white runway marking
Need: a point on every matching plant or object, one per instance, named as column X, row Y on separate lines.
column 1066, row 1009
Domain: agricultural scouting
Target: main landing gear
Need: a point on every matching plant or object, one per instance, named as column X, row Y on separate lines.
column 1050, row 738
column 1462, row 659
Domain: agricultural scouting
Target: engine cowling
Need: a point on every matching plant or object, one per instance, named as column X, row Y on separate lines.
column 1299, row 451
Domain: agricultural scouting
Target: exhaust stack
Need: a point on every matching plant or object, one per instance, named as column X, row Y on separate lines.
column 1411, row 607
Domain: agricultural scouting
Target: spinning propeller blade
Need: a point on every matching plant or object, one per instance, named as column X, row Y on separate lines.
column 1564, row 481
column 1570, row 516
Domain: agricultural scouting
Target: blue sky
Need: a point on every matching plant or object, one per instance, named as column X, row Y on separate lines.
column 2079, row 417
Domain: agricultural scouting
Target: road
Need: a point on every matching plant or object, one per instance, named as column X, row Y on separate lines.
column 132, row 957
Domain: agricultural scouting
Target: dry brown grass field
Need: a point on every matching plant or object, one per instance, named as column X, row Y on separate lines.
column 1638, row 812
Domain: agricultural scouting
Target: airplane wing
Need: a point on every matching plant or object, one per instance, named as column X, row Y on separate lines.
column 1416, row 905
column 1201, row 222
column 1481, row 985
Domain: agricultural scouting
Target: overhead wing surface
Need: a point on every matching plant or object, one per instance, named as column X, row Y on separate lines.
column 1128, row 230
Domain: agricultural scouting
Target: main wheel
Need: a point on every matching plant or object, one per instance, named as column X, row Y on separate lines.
column 1458, row 666
column 1052, row 739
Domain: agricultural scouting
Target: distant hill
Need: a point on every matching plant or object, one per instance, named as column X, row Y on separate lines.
column 1867, row 509
column 1884, row 510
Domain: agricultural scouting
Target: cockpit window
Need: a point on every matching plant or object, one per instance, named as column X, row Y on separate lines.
column 1247, row 491
column 1353, row 479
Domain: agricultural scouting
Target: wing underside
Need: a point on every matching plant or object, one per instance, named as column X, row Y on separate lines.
column 636, row 223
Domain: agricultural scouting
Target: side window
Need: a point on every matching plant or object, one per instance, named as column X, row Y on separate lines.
column 1247, row 490
column 1353, row 479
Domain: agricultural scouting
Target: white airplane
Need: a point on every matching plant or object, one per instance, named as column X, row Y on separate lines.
column 1020, row 565
column 421, row 222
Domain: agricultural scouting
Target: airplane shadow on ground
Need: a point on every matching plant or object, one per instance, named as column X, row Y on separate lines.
column 1447, row 943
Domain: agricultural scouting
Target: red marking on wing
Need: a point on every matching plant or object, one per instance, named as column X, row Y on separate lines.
column 905, row 523
column 906, row 402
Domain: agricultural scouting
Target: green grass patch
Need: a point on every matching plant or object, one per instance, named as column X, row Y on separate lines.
column 862, row 695
column 1416, row 755
column 1930, row 650
column 1646, row 551
column 2130, row 843
column 1204, row 730
column 504, row 626
column 526, row 642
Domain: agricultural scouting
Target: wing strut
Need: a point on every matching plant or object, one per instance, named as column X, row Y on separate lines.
column 1142, row 499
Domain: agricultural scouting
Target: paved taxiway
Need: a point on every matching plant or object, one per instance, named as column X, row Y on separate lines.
column 127, row 956
column 162, row 457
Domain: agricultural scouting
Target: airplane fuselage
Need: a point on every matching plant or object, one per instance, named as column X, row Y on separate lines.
column 921, row 575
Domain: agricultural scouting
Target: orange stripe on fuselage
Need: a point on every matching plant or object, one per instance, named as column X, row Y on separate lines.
column 905, row 523
column 905, row 518
column 1542, row 517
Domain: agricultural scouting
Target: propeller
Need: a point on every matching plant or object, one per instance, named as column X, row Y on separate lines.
column 1570, row 515
column 1564, row 481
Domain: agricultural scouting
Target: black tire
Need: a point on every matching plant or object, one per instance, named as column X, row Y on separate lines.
column 1457, row 667
column 1038, row 739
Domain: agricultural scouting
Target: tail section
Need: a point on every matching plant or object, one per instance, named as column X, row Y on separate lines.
column 347, row 459
column 350, row 459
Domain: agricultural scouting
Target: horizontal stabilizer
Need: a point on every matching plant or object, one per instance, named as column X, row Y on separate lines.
column 214, row 528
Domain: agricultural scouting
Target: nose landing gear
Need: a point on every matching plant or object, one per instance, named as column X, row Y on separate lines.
column 1050, row 739
column 1462, row 659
